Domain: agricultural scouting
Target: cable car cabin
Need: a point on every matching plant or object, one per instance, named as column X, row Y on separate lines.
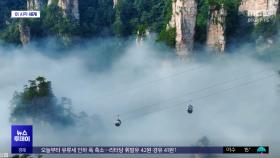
column 118, row 123
column 190, row 109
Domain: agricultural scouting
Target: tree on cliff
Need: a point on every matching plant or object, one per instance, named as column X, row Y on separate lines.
column 38, row 103
column 233, row 19
column 96, row 17
column 138, row 15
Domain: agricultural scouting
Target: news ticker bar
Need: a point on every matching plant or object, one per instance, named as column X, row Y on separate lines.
column 149, row 150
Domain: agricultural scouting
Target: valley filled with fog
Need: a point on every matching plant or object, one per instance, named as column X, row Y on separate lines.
column 235, row 96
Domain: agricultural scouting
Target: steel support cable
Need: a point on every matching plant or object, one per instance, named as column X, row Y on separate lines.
column 141, row 85
column 161, row 108
column 205, row 88
column 179, row 73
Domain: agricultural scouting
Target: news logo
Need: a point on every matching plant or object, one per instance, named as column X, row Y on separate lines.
column 21, row 139
column 25, row 14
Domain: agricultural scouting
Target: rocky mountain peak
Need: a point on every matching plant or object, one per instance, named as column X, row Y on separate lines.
column 184, row 20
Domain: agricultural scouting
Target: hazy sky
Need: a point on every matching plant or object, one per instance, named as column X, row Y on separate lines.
column 235, row 97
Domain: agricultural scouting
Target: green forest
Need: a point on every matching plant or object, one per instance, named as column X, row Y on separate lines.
column 99, row 18
column 38, row 103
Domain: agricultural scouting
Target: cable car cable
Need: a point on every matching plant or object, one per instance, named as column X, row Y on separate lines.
column 197, row 91
column 205, row 96
column 211, row 86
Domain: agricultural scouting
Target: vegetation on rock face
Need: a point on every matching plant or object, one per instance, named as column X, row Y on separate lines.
column 168, row 36
column 232, row 17
column 96, row 18
column 238, row 27
column 38, row 103
column 266, row 29
column 134, row 15
column 51, row 23
column 129, row 17
column 11, row 34
column 9, row 28
column 201, row 21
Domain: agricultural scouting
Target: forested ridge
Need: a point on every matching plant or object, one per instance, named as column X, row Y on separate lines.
column 100, row 18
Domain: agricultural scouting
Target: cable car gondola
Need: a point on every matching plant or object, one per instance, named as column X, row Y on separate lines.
column 190, row 109
column 118, row 122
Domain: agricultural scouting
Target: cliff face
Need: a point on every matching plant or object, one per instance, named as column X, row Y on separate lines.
column 259, row 8
column 70, row 8
column 25, row 29
column 35, row 4
column 216, row 29
column 24, row 33
column 115, row 2
column 184, row 19
column 50, row 2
